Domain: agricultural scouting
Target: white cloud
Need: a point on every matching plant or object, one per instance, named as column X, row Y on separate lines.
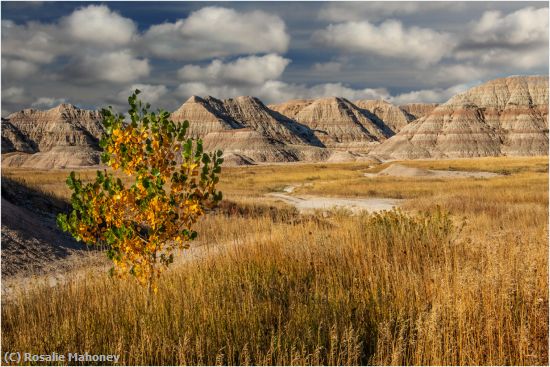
column 97, row 24
column 18, row 69
column 33, row 42
column 507, row 59
column 515, row 40
column 246, row 70
column 458, row 73
column 48, row 102
column 217, row 32
column 436, row 95
column 360, row 10
column 13, row 95
column 339, row 90
column 118, row 66
column 149, row 93
column 87, row 37
column 273, row 91
column 327, row 67
column 389, row 39
column 525, row 26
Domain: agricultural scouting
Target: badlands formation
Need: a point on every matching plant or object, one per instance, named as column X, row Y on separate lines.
column 64, row 136
column 507, row 116
column 418, row 110
column 393, row 116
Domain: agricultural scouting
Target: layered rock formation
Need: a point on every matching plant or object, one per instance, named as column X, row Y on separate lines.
column 394, row 117
column 64, row 125
column 248, row 146
column 205, row 116
column 247, row 131
column 209, row 114
column 418, row 110
column 338, row 123
column 507, row 116
column 252, row 113
column 14, row 140
column 62, row 136
column 291, row 108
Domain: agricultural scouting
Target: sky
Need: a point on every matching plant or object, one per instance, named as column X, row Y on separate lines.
column 93, row 54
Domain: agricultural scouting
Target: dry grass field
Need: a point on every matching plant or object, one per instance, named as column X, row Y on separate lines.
column 458, row 276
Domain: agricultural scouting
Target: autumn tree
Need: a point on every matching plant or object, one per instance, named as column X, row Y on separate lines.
column 173, row 183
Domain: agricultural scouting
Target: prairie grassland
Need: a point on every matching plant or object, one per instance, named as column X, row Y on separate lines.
column 459, row 278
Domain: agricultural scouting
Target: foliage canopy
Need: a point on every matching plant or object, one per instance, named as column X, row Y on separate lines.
column 174, row 183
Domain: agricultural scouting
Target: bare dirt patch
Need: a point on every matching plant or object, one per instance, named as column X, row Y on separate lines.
column 308, row 203
column 398, row 170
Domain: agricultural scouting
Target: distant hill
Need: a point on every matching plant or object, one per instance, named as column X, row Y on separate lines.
column 391, row 115
column 338, row 123
column 64, row 136
column 507, row 116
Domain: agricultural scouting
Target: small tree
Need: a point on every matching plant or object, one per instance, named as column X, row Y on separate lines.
column 174, row 182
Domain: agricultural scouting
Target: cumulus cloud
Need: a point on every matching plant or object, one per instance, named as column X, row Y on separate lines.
column 33, row 42
column 86, row 39
column 389, row 39
column 353, row 11
column 273, row 91
column 48, row 102
column 458, row 73
column 149, row 93
column 244, row 70
column 14, row 99
column 229, row 52
column 117, row 66
column 217, row 32
column 97, row 24
column 436, row 95
column 13, row 95
column 525, row 26
column 518, row 39
column 18, row 69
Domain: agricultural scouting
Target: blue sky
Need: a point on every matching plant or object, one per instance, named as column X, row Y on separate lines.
column 94, row 53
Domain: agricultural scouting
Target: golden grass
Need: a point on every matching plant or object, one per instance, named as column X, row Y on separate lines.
column 421, row 287
column 488, row 164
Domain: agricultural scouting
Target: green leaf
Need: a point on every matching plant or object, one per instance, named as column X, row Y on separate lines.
column 105, row 157
column 100, row 177
column 146, row 183
column 62, row 222
column 187, row 147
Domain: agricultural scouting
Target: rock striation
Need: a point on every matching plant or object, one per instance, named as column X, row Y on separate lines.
column 507, row 116
column 250, row 146
column 418, row 110
column 291, row 108
column 15, row 140
column 252, row 113
column 64, row 125
column 338, row 123
column 207, row 115
column 248, row 131
column 394, row 117
column 62, row 136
